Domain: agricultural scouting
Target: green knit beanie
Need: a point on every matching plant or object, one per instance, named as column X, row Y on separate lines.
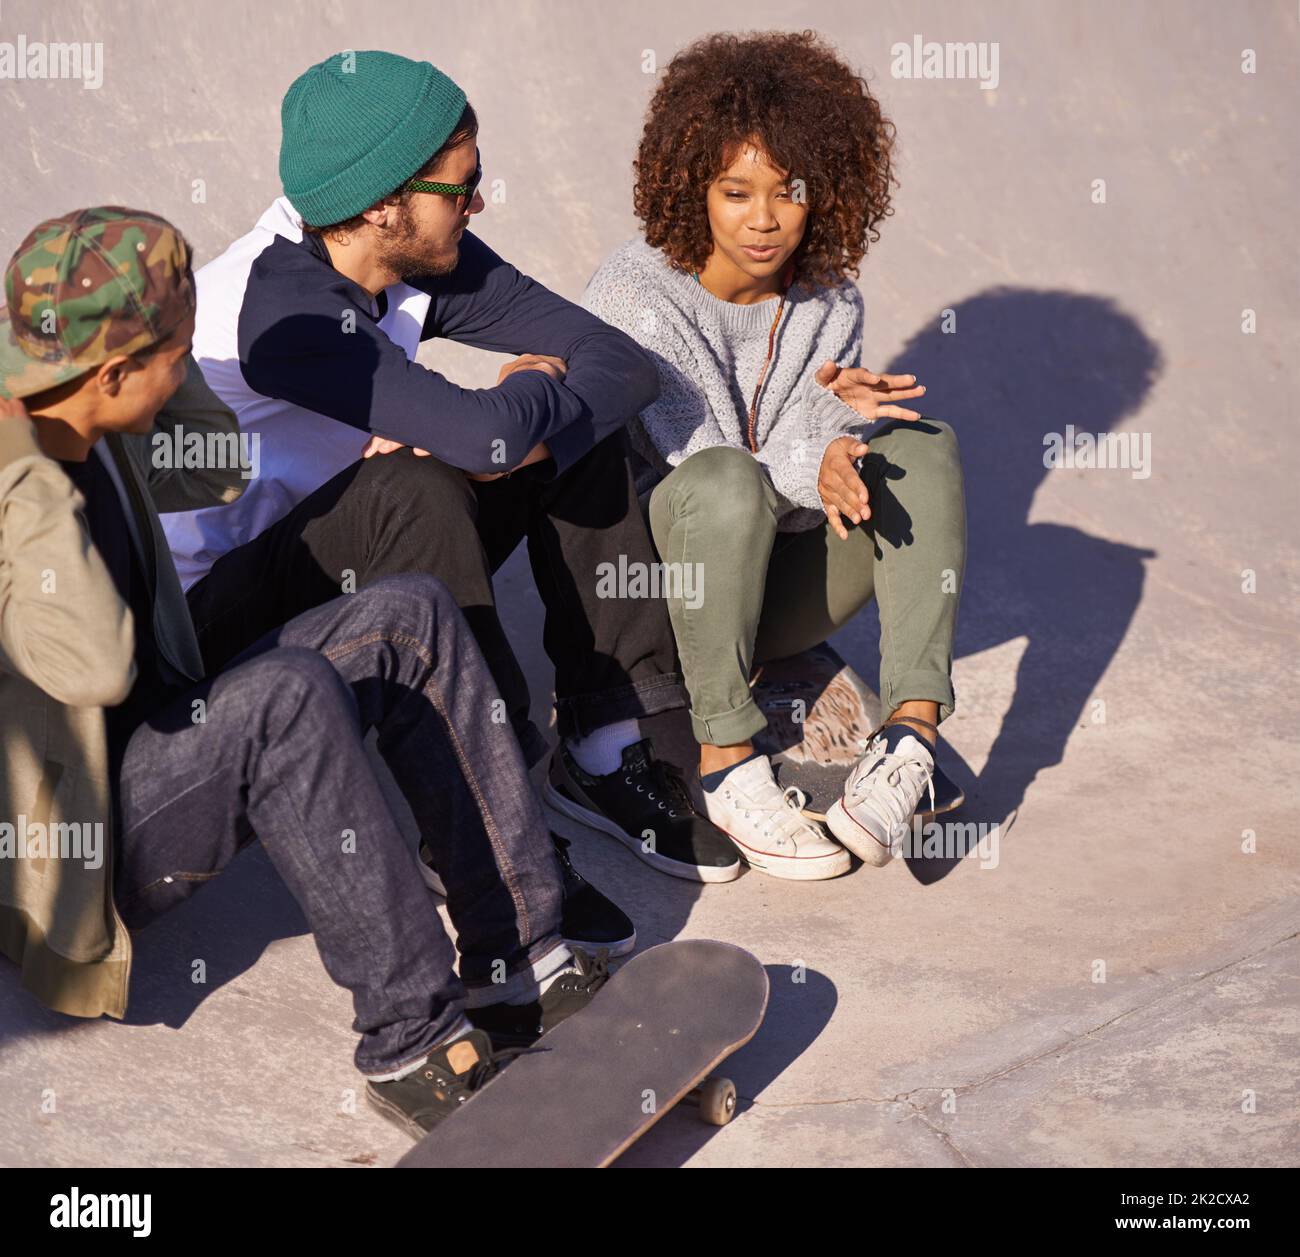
column 355, row 127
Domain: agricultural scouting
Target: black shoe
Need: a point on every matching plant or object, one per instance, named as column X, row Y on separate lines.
column 513, row 1026
column 588, row 919
column 447, row 1079
column 646, row 807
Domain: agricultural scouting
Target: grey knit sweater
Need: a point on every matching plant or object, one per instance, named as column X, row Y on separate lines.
column 709, row 353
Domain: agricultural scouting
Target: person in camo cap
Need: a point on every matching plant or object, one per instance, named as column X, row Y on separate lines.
column 123, row 283
column 130, row 779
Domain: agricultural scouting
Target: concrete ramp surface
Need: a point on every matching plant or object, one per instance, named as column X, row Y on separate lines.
column 1118, row 981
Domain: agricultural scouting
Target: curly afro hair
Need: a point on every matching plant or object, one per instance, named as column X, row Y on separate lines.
column 808, row 112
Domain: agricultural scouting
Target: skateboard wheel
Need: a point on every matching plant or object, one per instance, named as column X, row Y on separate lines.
column 717, row 1101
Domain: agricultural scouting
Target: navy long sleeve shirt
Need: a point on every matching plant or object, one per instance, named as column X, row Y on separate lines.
column 312, row 365
column 296, row 344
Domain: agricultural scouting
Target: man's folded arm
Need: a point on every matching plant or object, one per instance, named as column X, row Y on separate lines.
column 489, row 304
column 356, row 375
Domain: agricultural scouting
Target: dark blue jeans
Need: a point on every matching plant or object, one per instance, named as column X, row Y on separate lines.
column 272, row 748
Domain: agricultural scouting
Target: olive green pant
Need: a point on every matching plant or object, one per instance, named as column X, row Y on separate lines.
column 755, row 594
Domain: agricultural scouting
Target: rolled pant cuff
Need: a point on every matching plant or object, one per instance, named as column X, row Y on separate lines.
column 437, row 1029
column 525, row 976
column 730, row 728
column 456, row 1028
column 581, row 714
column 918, row 687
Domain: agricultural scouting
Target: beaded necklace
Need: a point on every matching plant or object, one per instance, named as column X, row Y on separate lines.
column 786, row 280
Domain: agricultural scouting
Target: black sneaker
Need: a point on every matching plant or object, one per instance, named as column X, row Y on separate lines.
column 447, row 1079
column 645, row 806
column 588, row 919
column 513, row 1026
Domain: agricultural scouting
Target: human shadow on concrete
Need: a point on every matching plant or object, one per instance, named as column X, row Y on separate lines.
column 1018, row 365
column 1021, row 364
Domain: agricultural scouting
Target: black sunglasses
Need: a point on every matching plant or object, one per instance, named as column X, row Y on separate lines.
column 457, row 190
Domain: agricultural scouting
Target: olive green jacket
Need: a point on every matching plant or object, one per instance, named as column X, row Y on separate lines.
column 66, row 652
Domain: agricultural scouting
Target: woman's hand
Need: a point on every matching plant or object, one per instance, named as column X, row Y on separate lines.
column 12, row 408
column 873, row 396
column 840, row 486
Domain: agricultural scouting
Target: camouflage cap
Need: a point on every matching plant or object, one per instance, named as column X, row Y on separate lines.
column 86, row 287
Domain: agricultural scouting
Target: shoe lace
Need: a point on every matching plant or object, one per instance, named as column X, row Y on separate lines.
column 670, row 786
column 460, row 1087
column 779, row 816
column 879, row 769
column 592, row 970
column 566, row 864
column 677, row 793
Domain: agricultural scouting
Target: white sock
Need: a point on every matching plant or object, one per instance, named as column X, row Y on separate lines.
column 601, row 752
column 461, row 1027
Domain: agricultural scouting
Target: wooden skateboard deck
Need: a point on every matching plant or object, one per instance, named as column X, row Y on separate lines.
column 819, row 715
column 656, row 1029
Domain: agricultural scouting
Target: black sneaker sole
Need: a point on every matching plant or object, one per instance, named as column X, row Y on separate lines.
column 574, row 810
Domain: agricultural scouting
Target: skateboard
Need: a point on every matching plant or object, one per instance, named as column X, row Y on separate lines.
column 650, row 1037
column 819, row 716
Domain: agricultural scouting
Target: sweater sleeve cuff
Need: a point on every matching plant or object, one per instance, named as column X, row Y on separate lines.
column 830, row 415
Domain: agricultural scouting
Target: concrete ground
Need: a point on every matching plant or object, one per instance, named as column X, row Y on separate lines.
column 1122, row 985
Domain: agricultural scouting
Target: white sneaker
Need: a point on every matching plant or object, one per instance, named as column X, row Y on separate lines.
column 769, row 829
column 873, row 816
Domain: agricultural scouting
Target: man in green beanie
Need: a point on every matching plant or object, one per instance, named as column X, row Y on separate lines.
column 373, row 464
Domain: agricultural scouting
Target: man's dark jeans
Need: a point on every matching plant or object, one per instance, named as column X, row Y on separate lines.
column 615, row 657
column 272, row 748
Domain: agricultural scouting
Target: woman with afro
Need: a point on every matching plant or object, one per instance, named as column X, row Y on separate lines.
column 792, row 482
